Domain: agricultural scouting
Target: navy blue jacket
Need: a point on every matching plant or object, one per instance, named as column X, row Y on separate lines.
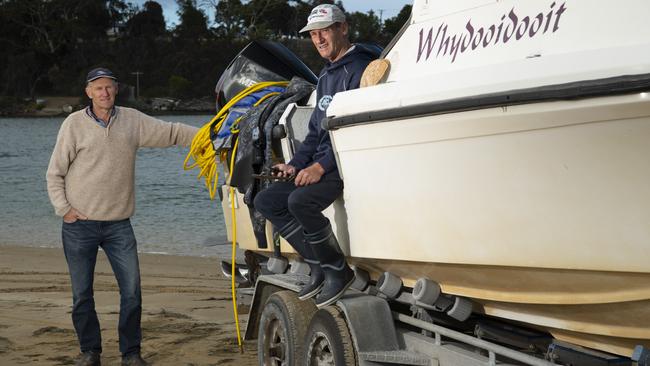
column 341, row 75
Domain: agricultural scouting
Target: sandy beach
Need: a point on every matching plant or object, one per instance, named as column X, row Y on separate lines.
column 187, row 311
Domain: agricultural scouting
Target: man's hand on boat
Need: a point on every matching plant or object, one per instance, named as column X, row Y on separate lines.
column 283, row 170
column 310, row 175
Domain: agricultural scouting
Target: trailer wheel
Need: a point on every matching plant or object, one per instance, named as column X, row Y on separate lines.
column 329, row 342
column 282, row 328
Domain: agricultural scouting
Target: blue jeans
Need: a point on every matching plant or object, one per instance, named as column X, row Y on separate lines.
column 283, row 202
column 81, row 241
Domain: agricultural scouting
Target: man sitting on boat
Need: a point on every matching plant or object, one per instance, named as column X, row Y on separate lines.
column 295, row 206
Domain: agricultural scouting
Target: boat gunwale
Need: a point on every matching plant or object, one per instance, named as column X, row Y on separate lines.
column 619, row 85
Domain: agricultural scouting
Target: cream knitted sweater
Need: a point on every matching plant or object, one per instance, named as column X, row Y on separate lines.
column 92, row 168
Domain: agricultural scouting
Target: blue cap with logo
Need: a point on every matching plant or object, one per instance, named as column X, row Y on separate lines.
column 99, row 72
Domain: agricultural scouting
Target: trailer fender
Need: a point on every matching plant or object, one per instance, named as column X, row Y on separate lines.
column 370, row 322
column 266, row 286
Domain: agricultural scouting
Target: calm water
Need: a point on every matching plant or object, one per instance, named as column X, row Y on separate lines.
column 173, row 211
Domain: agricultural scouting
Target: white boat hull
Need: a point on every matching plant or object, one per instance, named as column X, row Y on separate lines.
column 539, row 212
column 551, row 185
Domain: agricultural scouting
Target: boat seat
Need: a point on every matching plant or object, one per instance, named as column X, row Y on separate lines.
column 296, row 124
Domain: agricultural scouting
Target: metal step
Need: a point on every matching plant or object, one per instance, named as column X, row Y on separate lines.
column 248, row 291
column 396, row 357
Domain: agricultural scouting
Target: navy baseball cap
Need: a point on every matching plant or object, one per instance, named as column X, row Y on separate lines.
column 99, row 72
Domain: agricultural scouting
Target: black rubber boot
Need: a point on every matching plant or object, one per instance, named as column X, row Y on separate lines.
column 316, row 279
column 293, row 233
column 338, row 275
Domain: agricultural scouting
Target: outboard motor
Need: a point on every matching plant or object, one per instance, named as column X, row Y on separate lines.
column 260, row 61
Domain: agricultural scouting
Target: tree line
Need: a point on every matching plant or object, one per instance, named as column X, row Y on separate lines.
column 49, row 45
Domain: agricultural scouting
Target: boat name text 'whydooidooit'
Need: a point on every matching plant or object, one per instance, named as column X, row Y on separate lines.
column 511, row 26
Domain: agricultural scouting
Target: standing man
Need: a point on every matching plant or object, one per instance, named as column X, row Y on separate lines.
column 90, row 181
column 295, row 208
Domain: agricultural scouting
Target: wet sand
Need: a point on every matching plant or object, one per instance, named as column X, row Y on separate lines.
column 187, row 314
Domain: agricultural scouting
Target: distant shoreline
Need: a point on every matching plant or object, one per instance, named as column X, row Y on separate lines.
column 57, row 106
column 174, row 112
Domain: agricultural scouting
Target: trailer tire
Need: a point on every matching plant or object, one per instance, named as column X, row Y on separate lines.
column 328, row 341
column 282, row 329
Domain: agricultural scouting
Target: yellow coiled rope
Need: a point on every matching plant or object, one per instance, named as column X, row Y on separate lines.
column 233, row 197
column 204, row 157
column 201, row 150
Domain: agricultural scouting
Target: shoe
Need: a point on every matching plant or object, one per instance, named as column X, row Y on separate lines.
column 338, row 275
column 133, row 360
column 316, row 280
column 89, row 358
